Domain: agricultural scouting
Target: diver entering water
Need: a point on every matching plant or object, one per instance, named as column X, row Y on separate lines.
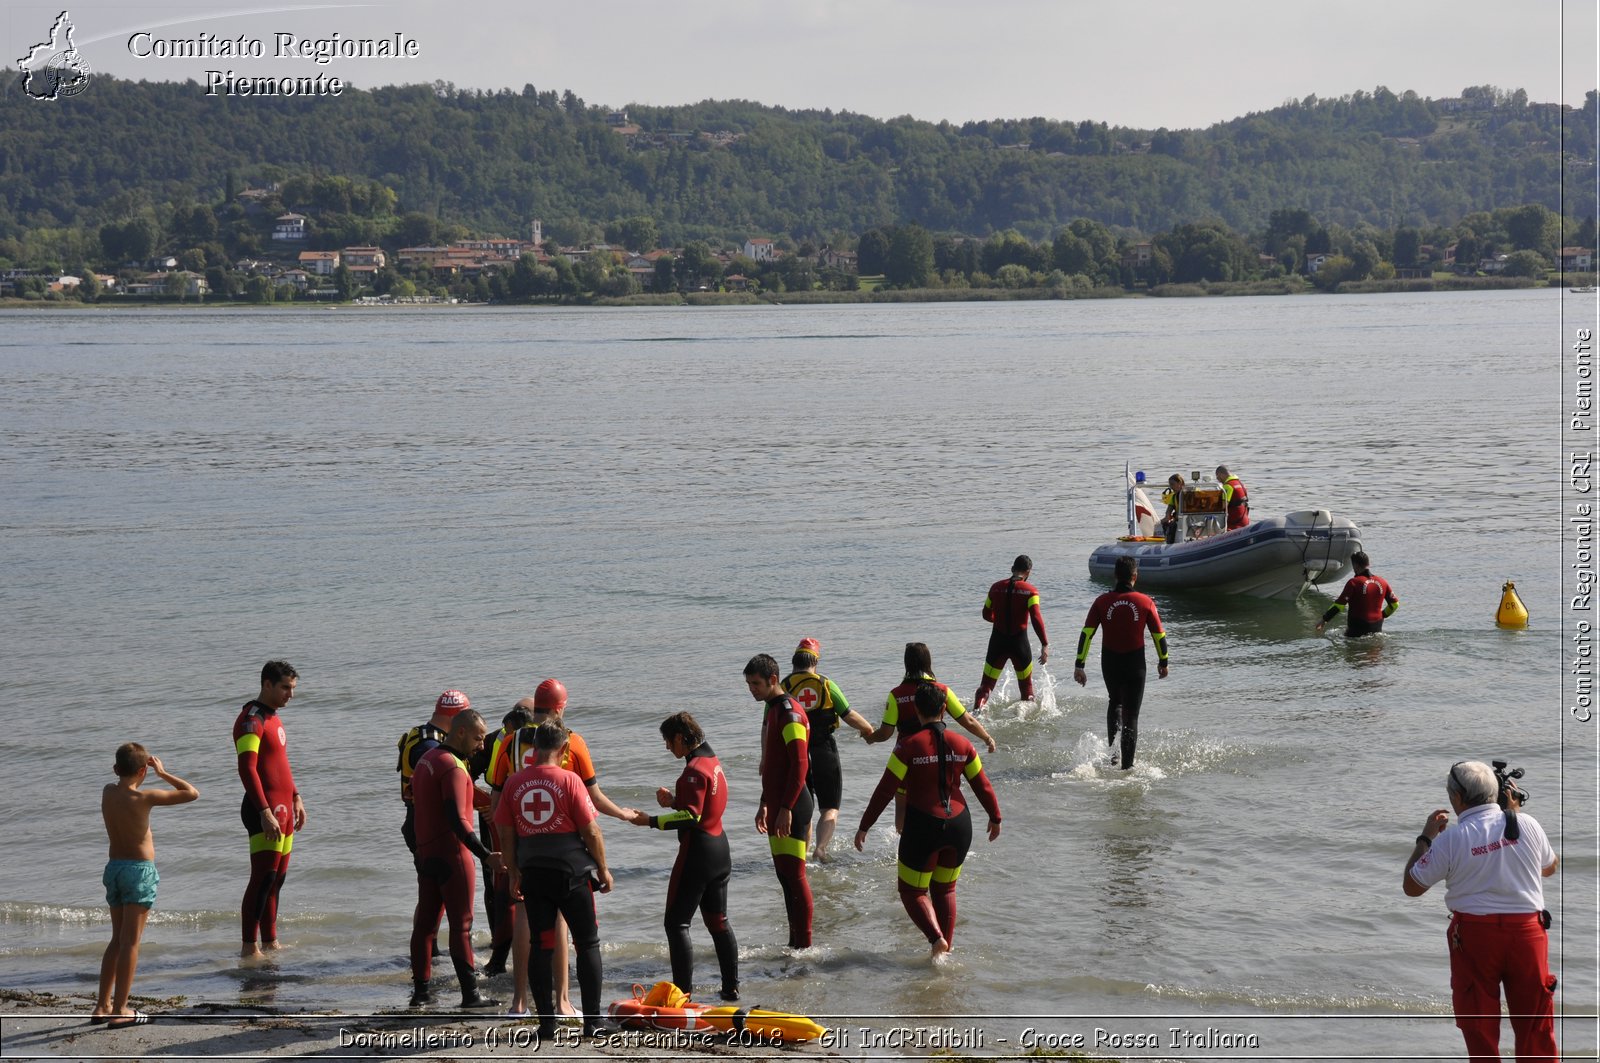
column 1126, row 614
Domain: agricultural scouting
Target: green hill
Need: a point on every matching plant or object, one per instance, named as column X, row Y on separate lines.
column 492, row 162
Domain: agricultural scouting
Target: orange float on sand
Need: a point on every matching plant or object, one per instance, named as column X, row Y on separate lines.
column 665, row 1007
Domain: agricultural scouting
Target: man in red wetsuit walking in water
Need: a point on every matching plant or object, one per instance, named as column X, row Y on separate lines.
column 272, row 810
column 1011, row 604
column 1369, row 597
column 1125, row 614
column 784, row 815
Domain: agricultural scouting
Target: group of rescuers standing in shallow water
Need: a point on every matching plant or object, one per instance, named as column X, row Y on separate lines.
column 542, row 845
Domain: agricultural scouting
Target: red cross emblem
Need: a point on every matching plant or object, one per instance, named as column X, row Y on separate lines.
column 538, row 807
column 807, row 699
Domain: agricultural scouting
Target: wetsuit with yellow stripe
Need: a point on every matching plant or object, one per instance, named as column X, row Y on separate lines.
column 1011, row 605
column 931, row 763
column 785, row 757
column 261, row 746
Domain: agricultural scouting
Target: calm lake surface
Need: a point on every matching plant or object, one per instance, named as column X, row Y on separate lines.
column 636, row 501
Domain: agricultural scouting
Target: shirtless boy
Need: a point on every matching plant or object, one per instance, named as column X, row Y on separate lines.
column 130, row 876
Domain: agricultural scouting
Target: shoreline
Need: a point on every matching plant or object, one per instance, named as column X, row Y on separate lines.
column 35, row 1025
column 1217, row 289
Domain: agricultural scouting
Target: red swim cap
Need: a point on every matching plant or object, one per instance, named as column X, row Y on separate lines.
column 551, row 696
column 811, row 646
column 450, row 703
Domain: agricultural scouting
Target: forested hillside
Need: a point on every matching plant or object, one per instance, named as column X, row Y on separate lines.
column 493, row 162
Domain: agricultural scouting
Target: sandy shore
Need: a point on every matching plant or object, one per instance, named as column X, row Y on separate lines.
column 45, row 1026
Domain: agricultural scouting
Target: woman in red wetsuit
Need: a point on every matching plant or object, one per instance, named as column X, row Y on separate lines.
column 931, row 762
column 700, row 874
column 271, row 810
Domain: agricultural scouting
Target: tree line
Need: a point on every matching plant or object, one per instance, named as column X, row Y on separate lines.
column 493, row 161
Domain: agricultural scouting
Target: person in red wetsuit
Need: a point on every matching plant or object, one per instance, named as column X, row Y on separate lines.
column 1369, row 597
column 546, row 818
column 930, row 763
column 1011, row 604
column 900, row 711
column 447, row 879
column 271, row 810
column 1125, row 614
column 700, row 874
column 784, row 814
column 1235, row 498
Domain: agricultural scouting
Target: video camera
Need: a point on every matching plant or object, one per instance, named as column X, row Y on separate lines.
column 1509, row 789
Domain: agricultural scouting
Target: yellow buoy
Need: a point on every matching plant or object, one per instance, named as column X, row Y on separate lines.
column 1512, row 613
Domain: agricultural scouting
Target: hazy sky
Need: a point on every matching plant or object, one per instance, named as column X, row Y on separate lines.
column 1175, row 63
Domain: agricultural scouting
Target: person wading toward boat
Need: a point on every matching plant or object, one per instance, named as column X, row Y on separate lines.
column 929, row 765
column 1011, row 605
column 1126, row 614
column 1369, row 598
column 900, row 712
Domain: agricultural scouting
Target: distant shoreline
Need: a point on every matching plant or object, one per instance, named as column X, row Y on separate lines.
column 1227, row 289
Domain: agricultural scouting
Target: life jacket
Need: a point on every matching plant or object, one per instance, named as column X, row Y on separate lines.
column 1240, row 497
column 810, row 691
column 424, row 732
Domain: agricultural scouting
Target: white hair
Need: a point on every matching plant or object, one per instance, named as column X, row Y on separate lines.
column 1473, row 781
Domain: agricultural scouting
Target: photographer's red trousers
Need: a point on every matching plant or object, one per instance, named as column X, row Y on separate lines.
column 1486, row 950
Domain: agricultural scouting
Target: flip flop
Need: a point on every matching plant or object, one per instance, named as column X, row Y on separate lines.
column 512, row 1013
column 122, row 1022
column 99, row 1020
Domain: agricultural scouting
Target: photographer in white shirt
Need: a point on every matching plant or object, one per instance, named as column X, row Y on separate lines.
column 1493, row 864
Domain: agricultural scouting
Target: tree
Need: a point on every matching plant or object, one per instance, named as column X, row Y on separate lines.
column 258, row 289
column 1526, row 264
column 1407, row 246
column 663, row 280
column 872, row 252
column 910, row 262
column 1533, row 227
column 176, row 285
column 637, row 234
column 345, row 282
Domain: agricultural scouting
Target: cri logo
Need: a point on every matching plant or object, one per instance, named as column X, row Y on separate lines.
column 807, row 699
column 538, row 806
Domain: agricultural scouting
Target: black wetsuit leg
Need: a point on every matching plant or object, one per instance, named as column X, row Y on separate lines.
column 1355, row 628
column 1124, row 674
column 825, row 777
column 545, row 892
column 699, row 881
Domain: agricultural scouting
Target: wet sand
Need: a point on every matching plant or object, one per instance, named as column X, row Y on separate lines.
column 45, row 1026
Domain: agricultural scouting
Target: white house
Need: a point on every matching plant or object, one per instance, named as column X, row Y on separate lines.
column 760, row 250
column 290, row 227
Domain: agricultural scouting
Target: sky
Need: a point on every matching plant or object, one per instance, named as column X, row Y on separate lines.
column 1149, row 64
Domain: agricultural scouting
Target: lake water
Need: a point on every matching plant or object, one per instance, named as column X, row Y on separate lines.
column 636, row 501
